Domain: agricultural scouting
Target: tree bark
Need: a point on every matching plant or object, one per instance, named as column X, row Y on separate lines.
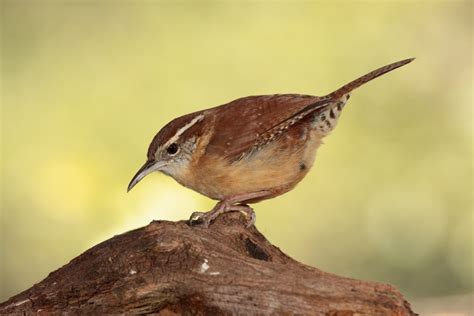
column 171, row 268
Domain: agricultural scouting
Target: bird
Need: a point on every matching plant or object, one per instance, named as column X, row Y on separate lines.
column 248, row 150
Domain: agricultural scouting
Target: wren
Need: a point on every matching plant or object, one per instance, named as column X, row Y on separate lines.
column 248, row 150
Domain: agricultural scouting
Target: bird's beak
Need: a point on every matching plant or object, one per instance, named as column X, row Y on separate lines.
column 147, row 168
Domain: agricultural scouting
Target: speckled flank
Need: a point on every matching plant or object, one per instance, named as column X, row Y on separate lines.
column 324, row 122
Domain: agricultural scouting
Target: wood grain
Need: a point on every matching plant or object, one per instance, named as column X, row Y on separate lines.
column 171, row 268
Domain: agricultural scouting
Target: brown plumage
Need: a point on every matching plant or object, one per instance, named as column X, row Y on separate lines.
column 250, row 149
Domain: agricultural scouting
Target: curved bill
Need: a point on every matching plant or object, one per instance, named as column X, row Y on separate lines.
column 146, row 169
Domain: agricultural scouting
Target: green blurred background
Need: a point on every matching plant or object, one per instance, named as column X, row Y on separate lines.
column 86, row 85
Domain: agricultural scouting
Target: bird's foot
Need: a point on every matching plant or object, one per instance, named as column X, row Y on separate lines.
column 205, row 218
column 247, row 211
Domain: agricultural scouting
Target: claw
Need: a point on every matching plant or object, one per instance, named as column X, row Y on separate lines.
column 252, row 219
column 196, row 217
column 248, row 212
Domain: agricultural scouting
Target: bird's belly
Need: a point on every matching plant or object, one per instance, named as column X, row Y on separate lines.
column 276, row 168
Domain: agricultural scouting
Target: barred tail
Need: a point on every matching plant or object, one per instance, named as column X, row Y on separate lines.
column 366, row 78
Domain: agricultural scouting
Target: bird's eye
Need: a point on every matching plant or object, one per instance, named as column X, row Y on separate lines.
column 172, row 149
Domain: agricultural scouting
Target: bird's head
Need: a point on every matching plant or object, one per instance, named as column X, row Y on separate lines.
column 171, row 149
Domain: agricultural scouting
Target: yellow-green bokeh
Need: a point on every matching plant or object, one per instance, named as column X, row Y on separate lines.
column 85, row 86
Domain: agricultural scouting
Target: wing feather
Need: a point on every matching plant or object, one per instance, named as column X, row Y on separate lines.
column 247, row 123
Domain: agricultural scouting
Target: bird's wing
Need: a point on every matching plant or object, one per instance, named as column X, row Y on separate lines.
column 248, row 123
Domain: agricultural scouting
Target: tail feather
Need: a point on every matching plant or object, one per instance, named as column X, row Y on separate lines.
column 366, row 78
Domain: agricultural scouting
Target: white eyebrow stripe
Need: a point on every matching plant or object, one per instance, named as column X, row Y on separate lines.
column 184, row 129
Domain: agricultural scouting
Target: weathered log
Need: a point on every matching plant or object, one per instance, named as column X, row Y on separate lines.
column 172, row 268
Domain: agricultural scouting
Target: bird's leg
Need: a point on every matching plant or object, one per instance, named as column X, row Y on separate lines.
column 237, row 203
column 241, row 198
column 231, row 204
